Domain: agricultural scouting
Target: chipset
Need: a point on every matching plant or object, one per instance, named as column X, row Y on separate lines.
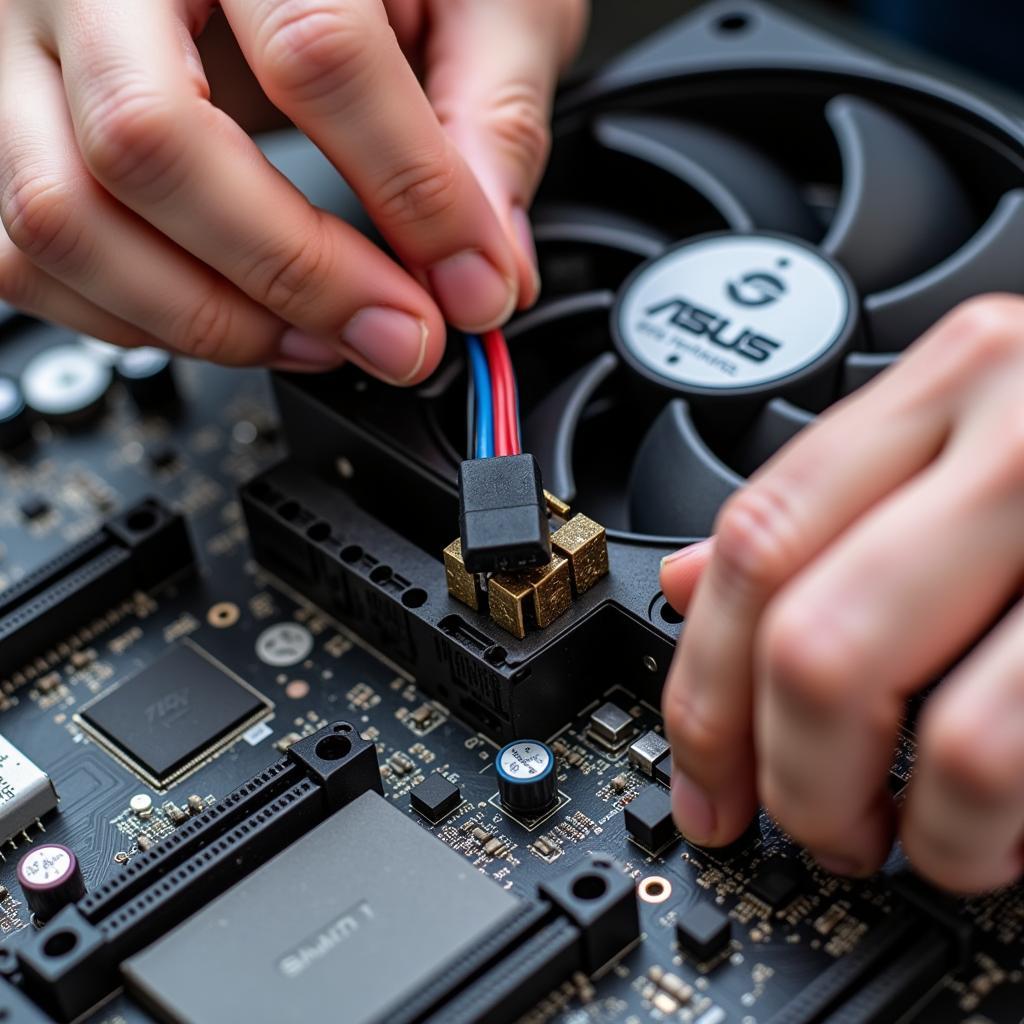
column 174, row 714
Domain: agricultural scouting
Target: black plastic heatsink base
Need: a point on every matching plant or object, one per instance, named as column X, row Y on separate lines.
column 316, row 539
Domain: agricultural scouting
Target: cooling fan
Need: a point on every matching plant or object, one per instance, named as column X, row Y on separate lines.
column 726, row 256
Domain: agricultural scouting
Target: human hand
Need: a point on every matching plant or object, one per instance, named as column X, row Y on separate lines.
column 856, row 566
column 137, row 211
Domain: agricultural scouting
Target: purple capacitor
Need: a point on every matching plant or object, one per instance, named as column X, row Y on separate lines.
column 50, row 878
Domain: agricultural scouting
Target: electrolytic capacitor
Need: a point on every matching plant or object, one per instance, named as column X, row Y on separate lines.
column 50, row 878
column 15, row 420
column 67, row 383
column 148, row 375
column 526, row 777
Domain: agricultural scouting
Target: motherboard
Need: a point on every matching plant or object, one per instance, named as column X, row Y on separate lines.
column 269, row 752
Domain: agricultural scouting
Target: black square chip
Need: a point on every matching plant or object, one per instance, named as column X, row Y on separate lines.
column 173, row 713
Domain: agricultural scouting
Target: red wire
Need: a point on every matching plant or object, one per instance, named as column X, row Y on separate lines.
column 503, row 383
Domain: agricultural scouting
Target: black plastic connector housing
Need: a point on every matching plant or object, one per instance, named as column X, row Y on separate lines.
column 502, row 514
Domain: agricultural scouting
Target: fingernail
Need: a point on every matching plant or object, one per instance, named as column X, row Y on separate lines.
column 839, row 865
column 691, row 808
column 690, row 549
column 300, row 351
column 472, row 293
column 524, row 236
column 392, row 342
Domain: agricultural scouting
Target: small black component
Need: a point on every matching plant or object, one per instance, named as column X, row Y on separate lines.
column 50, row 877
column 649, row 818
column 33, row 507
column 162, row 456
column 777, row 883
column 338, row 759
column 611, row 723
column 663, row 770
column 502, row 514
column 148, row 376
column 15, row 421
column 66, row 965
column 173, row 713
column 435, row 797
column 600, row 899
column 703, row 931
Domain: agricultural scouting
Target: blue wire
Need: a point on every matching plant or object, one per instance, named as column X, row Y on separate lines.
column 484, row 448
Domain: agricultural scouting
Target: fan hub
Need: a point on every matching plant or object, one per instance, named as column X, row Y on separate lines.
column 735, row 314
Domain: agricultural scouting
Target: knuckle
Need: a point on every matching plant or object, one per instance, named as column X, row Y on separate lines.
column 309, row 50
column 989, row 327
column 752, row 538
column 807, row 657
column 39, row 215
column 519, row 124
column 128, row 135
column 957, row 750
column 207, row 331
column 289, row 280
column 423, row 189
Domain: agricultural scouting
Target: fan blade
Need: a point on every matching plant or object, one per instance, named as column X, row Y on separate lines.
column 564, row 307
column 900, row 210
column 593, row 225
column 775, row 425
column 550, row 430
column 990, row 261
column 861, row 367
column 677, row 484
column 744, row 186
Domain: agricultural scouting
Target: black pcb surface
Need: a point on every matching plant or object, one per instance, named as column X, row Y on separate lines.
column 173, row 713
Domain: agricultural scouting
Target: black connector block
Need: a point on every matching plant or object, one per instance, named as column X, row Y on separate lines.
column 340, row 761
column 600, row 899
column 502, row 514
column 66, row 965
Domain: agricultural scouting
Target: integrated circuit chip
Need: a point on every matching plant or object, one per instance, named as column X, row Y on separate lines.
column 173, row 714
column 348, row 923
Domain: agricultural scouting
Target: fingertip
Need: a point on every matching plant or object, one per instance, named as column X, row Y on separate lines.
column 681, row 571
column 526, row 257
column 474, row 294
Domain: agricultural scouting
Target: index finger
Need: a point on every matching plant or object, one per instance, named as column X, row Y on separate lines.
column 335, row 68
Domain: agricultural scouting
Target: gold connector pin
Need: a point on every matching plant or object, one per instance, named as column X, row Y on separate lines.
column 462, row 584
column 556, row 506
column 538, row 596
column 584, row 544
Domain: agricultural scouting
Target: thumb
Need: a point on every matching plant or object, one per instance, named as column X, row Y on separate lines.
column 680, row 573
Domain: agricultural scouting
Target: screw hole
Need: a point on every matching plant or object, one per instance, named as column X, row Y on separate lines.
column 589, row 887
column 319, row 531
column 732, row 23
column 351, row 553
column 60, row 943
column 289, row 510
column 414, row 598
column 669, row 614
column 381, row 574
column 332, row 748
column 495, row 655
